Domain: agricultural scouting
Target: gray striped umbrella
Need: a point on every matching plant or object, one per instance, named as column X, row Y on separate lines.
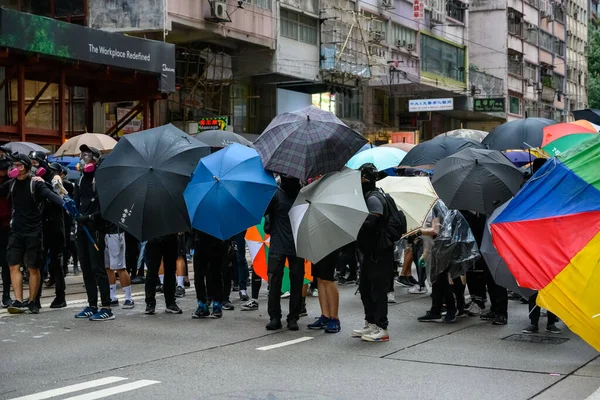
column 307, row 143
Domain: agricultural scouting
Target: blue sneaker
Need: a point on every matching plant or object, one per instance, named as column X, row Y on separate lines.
column 201, row 311
column 333, row 326
column 320, row 323
column 217, row 310
column 105, row 314
column 87, row 312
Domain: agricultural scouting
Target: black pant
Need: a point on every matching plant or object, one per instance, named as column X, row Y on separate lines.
column 242, row 264
column 534, row 312
column 54, row 244
column 442, row 292
column 256, row 284
column 132, row 253
column 348, row 259
column 373, row 286
column 4, row 234
column 476, row 282
column 209, row 263
column 275, row 268
column 92, row 266
column 498, row 295
column 70, row 251
column 162, row 249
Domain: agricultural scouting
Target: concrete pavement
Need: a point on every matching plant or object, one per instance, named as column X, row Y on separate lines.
column 173, row 356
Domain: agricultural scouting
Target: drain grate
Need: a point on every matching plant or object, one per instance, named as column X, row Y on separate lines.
column 535, row 339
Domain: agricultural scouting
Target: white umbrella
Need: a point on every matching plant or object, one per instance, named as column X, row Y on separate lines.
column 414, row 196
column 103, row 143
column 328, row 214
column 468, row 134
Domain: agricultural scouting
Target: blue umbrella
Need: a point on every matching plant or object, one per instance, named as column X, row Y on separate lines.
column 229, row 192
column 69, row 162
column 366, row 147
column 382, row 157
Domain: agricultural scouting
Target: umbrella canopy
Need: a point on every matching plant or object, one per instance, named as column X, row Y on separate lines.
column 586, row 124
column 229, row 192
column 554, row 132
column 141, row 183
column 431, row 151
column 328, row 214
column 476, row 180
column 588, row 114
column 366, row 147
column 258, row 245
column 100, row 141
column 498, row 268
column 400, row 146
column 414, row 196
column 307, row 143
column 25, row 147
column 382, row 157
column 565, row 143
column 518, row 134
column 218, row 138
column 519, row 158
column 472, row 134
column 549, row 236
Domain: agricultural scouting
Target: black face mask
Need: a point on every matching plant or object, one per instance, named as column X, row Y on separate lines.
column 367, row 187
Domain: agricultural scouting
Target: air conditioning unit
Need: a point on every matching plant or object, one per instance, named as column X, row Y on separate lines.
column 387, row 4
column 575, row 14
column 410, row 47
column 378, row 36
column 400, row 43
column 550, row 18
column 219, row 10
column 531, row 27
column 464, row 6
column 542, row 14
column 569, row 33
column 515, row 58
column 529, row 82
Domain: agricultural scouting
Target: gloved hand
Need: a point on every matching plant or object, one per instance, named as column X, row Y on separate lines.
column 84, row 218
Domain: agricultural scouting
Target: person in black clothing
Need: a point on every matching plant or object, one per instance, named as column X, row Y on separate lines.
column 282, row 248
column 25, row 242
column 53, row 228
column 211, row 258
column 70, row 249
column 5, row 216
column 91, row 258
column 163, row 249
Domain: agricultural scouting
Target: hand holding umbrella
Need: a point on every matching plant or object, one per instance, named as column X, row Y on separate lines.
column 71, row 208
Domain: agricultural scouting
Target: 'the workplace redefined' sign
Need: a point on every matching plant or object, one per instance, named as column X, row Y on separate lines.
column 212, row 124
column 489, row 105
column 430, row 105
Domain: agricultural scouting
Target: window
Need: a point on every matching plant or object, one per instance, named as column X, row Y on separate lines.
column 514, row 105
column 402, row 36
column 266, row 4
column 546, row 41
column 534, row 3
column 442, row 58
column 515, row 23
column 531, row 35
column 530, row 72
column 559, row 47
column 558, row 81
column 515, row 64
column 349, row 104
column 456, row 10
column 299, row 27
column 559, row 12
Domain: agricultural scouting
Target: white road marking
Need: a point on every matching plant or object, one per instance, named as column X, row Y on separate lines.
column 72, row 388
column 114, row 390
column 289, row 342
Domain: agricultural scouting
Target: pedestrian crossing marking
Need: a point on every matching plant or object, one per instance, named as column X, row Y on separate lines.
column 114, row 390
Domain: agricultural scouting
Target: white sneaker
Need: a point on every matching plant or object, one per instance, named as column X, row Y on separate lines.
column 366, row 330
column 285, row 295
column 391, row 297
column 474, row 310
column 380, row 335
column 418, row 290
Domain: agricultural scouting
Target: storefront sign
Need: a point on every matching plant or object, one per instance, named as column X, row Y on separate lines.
column 490, row 105
column 419, row 10
column 47, row 36
column 431, row 105
column 213, row 124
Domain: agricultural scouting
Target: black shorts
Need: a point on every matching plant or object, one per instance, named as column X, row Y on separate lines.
column 24, row 247
column 325, row 269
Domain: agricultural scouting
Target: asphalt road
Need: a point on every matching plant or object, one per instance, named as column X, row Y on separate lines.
column 53, row 355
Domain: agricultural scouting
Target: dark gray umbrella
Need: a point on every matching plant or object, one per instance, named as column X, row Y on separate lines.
column 218, row 138
column 141, row 182
column 476, row 180
column 519, row 134
column 588, row 114
column 498, row 268
column 307, row 143
column 25, row 147
column 432, row 151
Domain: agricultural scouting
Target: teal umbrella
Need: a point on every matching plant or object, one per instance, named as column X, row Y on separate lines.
column 381, row 157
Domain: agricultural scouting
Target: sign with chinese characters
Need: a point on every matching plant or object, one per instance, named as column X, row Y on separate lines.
column 490, row 105
column 419, row 10
column 212, row 124
column 431, row 105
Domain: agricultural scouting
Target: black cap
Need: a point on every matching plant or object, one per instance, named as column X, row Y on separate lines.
column 369, row 172
column 23, row 159
column 56, row 167
column 38, row 156
column 95, row 152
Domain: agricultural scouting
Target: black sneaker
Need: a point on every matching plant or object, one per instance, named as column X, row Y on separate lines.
column 114, row 303
column 292, row 325
column 138, row 280
column 342, row 281
column 179, row 292
column 186, row 284
column 33, row 308
column 350, row 280
column 274, row 324
column 551, row 328
column 412, row 281
column 403, row 281
column 6, row 302
column 217, row 310
column 160, row 289
column 250, row 305
column 201, row 312
column 49, row 284
column 228, row 305
column 17, row 307
column 303, row 312
column 150, row 309
column 235, row 288
column 500, row 320
column 450, row 317
column 173, row 309
column 531, row 329
column 431, row 317
column 58, row 303
column 488, row 316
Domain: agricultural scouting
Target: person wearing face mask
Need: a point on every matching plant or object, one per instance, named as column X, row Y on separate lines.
column 282, row 248
column 27, row 194
column 53, row 228
column 91, row 260
column 5, row 215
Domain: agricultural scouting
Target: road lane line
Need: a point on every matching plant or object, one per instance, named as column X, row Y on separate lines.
column 289, row 342
column 72, row 388
column 114, row 390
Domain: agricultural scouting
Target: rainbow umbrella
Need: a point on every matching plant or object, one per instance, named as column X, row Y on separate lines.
column 554, row 132
column 564, row 143
column 258, row 244
column 549, row 236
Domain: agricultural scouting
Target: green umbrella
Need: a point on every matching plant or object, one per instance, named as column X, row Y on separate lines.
column 564, row 143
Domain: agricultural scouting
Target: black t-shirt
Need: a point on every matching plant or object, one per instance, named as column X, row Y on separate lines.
column 282, row 239
column 86, row 199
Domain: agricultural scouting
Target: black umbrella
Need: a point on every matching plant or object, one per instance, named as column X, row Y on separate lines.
column 217, row 138
column 476, row 179
column 518, row 134
column 431, row 151
column 141, row 182
column 589, row 115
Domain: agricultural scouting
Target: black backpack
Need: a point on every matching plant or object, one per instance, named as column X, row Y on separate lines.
column 392, row 227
